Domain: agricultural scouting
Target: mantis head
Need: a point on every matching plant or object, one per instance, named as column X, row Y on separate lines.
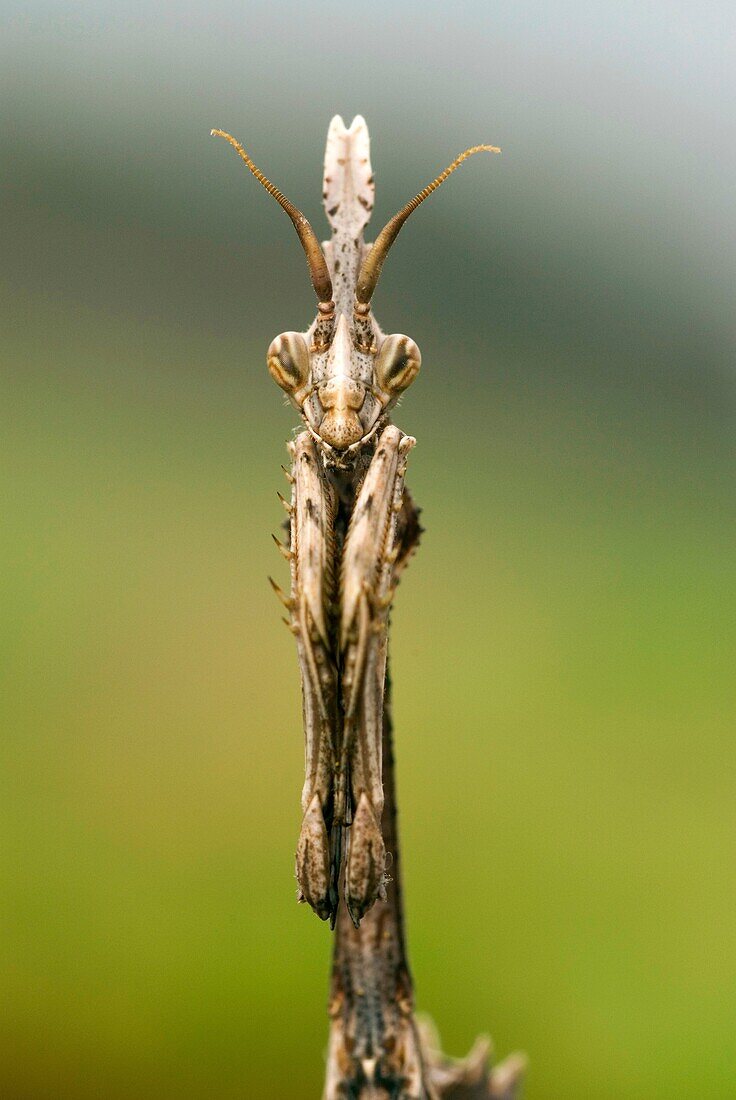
column 343, row 374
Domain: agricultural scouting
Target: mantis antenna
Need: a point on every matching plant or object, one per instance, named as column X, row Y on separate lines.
column 318, row 271
column 373, row 263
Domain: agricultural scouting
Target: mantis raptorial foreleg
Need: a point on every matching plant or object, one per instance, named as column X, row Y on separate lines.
column 341, row 633
column 313, row 579
column 373, row 545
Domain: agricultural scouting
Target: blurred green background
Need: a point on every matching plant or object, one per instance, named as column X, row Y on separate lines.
column 564, row 641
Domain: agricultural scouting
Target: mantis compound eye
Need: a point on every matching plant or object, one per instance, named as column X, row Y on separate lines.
column 288, row 361
column 397, row 364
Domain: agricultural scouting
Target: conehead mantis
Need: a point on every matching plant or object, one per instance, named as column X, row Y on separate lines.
column 352, row 529
column 352, row 521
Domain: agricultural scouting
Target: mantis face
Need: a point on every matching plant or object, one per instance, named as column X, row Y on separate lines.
column 344, row 389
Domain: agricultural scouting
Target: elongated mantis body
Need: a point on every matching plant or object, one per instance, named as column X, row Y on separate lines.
column 352, row 529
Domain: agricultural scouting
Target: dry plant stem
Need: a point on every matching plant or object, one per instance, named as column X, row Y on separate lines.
column 374, row 1046
column 377, row 1049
